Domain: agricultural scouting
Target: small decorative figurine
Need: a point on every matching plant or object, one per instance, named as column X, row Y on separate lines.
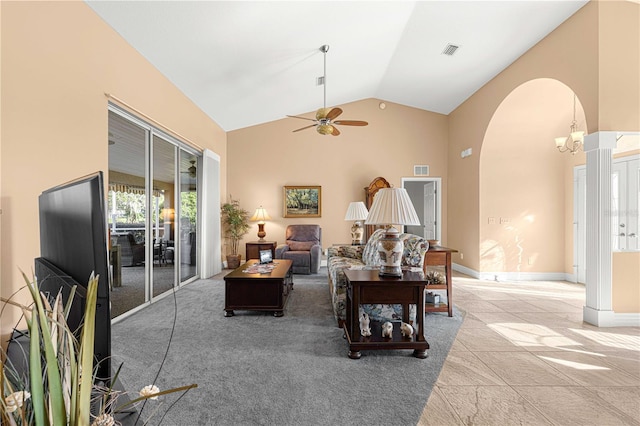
column 406, row 329
column 365, row 330
column 387, row 329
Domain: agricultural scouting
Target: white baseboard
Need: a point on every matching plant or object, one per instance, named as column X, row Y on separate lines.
column 514, row 276
column 610, row 318
column 465, row 270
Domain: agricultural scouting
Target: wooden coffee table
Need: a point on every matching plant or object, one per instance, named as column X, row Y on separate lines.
column 367, row 287
column 258, row 291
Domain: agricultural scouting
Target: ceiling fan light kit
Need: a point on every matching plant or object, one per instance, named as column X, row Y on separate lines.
column 325, row 121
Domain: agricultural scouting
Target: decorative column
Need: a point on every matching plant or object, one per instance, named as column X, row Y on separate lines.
column 598, row 309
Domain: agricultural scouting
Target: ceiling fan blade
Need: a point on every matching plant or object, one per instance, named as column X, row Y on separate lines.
column 335, row 132
column 351, row 123
column 306, row 127
column 334, row 113
column 302, row 118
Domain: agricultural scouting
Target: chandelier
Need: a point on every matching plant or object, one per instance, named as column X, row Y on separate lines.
column 573, row 142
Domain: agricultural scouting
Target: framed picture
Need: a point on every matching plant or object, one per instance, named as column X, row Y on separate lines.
column 302, row 201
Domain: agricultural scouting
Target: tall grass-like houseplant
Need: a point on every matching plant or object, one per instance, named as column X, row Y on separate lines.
column 60, row 388
column 235, row 222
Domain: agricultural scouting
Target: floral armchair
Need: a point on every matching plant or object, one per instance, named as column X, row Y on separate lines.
column 340, row 258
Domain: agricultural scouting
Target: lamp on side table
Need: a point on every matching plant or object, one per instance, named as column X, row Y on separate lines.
column 357, row 211
column 391, row 206
column 260, row 215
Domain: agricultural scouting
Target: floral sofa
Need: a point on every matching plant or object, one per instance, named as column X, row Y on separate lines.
column 344, row 257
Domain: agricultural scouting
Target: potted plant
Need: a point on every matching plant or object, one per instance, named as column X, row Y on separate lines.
column 59, row 386
column 235, row 221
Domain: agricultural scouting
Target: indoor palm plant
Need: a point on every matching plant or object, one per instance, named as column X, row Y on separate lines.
column 235, row 221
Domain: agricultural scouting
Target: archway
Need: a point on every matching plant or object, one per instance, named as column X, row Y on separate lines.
column 526, row 201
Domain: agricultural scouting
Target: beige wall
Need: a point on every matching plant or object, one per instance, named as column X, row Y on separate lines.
column 619, row 66
column 576, row 43
column 523, row 182
column 58, row 61
column 625, row 295
column 264, row 158
column 570, row 55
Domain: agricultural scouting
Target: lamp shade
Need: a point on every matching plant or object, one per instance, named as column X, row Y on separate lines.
column 260, row 215
column 356, row 211
column 392, row 206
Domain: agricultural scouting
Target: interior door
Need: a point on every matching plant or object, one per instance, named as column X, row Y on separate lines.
column 430, row 211
column 618, row 206
column 425, row 194
column 633, row 219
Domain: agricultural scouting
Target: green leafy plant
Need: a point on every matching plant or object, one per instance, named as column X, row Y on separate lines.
column 433, row 277
column 235, row 221
column 60, row 388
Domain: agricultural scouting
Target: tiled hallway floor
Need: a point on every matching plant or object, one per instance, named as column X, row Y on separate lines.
column 524, row 356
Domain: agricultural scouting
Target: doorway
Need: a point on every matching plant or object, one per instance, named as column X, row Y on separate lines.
column 426, row 196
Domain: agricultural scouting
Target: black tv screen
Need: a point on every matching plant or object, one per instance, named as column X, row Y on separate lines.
column 73, row 242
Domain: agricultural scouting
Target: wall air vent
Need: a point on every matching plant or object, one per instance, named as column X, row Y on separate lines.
column 421, row 170
column 450, row 49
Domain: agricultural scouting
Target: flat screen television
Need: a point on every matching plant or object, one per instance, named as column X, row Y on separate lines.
column 73, row 244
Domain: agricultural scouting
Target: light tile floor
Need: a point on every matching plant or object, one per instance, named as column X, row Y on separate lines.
column 523, row 355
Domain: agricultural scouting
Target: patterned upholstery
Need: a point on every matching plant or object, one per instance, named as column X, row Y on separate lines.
column 340, row 258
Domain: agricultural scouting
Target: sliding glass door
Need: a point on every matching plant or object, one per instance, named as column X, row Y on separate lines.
column 163, row 217
column 153, row 212
column 127, row 204
column 188, row 215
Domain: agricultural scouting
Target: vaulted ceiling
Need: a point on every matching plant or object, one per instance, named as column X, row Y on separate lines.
column 249, row 62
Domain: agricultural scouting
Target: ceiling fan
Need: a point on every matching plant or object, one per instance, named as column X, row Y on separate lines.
column 325, row 121
column 192, row 170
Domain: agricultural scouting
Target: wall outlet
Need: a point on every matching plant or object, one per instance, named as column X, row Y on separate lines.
column 492, row 221
column 461, row 256
column 505, row 220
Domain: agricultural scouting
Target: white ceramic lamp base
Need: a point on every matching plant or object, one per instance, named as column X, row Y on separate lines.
column 356, row 233
column 390, row 249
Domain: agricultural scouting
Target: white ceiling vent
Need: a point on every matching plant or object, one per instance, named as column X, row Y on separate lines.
column 421, row 170
column 450, row 49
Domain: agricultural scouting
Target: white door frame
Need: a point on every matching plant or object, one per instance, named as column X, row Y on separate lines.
column 438, row 182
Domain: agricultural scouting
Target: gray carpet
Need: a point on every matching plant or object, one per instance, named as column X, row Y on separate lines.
column 255, row 369
column 130, row 294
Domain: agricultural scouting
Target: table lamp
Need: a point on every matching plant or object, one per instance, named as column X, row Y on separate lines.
column 356, row 211
column 391, row 206
column 260, row 215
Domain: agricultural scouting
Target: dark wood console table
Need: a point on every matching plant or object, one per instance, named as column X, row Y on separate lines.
column 254, row 247
column 440, row 256
column 366, row 286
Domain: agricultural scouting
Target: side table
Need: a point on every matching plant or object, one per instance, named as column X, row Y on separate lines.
column 440, row 256
column 254, row 247
column 367, row 286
